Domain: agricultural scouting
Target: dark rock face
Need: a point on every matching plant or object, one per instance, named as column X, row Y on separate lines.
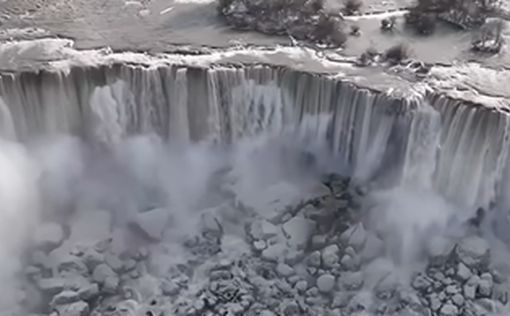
column 301, row 19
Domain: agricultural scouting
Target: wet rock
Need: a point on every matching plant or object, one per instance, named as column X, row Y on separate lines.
column 51, row 286
column 318, row 241
column 452, row 289
column 463, row 272
column 421, row 282
column 152, row 223
column 449, row 310
column 102, row 272
column 48, row 236
column 274, row 252
column 64, row 298
column 92, row 258
column 351, row 281
column 114, row 262
column 434, row 302
column 355, row 236
column 301, row 286
column 259, row 245
column 314, row 259
column 341, row 299
column 170, row 288
column 326, row 283
column 284, row 270
column 473, row 251
column 88, row 291
column 330, row 256
column 298, row 231
column 360, row 302
column 485, row 285
column 75, row 309
column 470, row 287
column 458, row 299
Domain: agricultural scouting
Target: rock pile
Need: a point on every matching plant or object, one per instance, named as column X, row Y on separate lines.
column 301, row 19
column 314, row 258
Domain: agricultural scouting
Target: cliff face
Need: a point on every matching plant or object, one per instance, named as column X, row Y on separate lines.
column 455, row 147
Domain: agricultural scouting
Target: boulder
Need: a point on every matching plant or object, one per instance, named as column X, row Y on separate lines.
column 51, row 286
column 75, row 309
column 64, row 298
column 152, row 223
column 298, row 231
column 449, row 310
column 473, row 251
column 48, row 236
column 326, row 283
column 355, row 236
column 329, row 256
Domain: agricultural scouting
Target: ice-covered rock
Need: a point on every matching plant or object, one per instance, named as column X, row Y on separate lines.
column 326, row 283
column 473, row 251
column 298, row 231
column 151, row 223
column 48, row 236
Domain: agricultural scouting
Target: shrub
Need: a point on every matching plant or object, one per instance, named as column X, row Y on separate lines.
column 355, row 30
column 397, row 53
column 388, row 24
column 352, row 6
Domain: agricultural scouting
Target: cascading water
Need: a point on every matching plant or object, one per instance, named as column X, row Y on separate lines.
column 369, row 131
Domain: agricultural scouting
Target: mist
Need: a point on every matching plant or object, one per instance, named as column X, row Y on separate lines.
column 63, row 178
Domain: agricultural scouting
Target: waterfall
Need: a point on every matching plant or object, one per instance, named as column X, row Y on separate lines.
column 455, row 148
